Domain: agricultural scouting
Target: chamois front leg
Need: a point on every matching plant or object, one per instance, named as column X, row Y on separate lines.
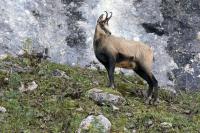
column 110, row 67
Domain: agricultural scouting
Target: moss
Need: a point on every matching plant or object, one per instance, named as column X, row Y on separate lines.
column 3, row 75
column 14, row 80
column 54, row 105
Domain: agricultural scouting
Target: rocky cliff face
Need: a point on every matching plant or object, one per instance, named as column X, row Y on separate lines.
column 66, row 27
column 182, row 24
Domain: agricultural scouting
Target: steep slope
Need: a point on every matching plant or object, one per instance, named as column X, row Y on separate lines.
column 60, row 101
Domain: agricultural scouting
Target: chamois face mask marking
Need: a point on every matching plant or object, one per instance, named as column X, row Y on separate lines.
column 105, row 28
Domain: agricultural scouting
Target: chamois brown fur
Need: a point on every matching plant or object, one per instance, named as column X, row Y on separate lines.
column 114, row 51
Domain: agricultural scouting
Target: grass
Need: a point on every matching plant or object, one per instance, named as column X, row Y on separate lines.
column 54, row 105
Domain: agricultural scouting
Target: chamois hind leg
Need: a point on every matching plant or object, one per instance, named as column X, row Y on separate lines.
column 110, row 67
column 146, row 77
column 155, row 92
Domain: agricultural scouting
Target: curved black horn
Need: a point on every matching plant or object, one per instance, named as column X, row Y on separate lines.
column 110, row 16
column 106, row 15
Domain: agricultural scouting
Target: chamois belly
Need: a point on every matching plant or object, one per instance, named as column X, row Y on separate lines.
column 126, row 64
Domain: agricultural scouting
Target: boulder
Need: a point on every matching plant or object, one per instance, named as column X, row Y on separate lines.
column 2, row 109
column 30, row 86
column 3, row 56
column 59, row 73
column 95, row 124
column 166, row 125
column 105, row 98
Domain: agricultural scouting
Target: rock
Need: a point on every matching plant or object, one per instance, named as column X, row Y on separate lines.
column 166, row 125
column 19, row 69
column 189, row 69
column 73, row 64
column 3, row 56
column 133, row 131
column 96, row 82
column 197, row 57
column 105, row 98
column 149, row 123
column 115, row 108
column 125, row 130
column 6, row 80
column 183, row 40
column 80, row 109
column 118, row 70
column 59, row 73
column 74, row 93
column 28, row 86
column 97, row 123
column 2, row 109
column 93, row 68
column 131, row 125
column 198, row 36
column 187, row 111
column 129, row 114
column 10, row 67
column 171, row 76
column 93, row 65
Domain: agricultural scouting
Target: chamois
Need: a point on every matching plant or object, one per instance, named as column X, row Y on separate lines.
column 114, row 51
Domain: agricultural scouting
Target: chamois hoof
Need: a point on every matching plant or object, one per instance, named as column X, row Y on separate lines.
column 111, row 86
column 148, row 101
column 155, row 102
column 151, row 101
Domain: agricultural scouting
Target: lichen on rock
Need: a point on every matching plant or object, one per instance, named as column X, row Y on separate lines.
column 102, row 97
column 97, row 124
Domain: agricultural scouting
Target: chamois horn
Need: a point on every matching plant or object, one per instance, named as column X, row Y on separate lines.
column 110, row 16
column 106, row 15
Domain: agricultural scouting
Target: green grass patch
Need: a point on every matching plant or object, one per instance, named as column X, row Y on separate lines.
column 60, row 104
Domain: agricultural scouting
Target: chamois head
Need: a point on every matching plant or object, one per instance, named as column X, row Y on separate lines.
column 103, row 23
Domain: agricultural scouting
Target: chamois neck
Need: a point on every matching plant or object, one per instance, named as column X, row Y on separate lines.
column 99, row 33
